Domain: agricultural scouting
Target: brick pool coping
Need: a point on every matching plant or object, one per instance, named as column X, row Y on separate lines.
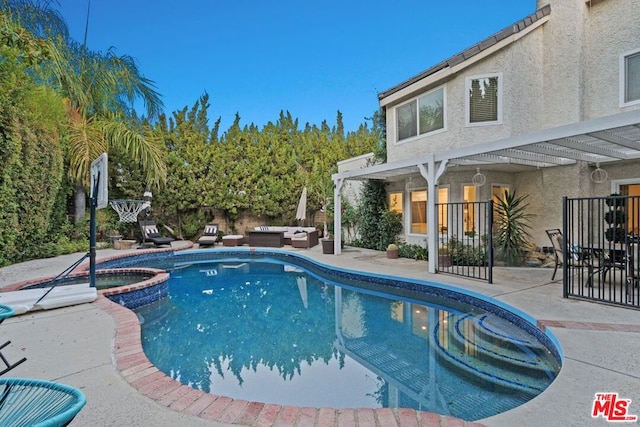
column 141, row 374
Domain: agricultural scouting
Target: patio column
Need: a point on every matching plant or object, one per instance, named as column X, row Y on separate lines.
column 432, row 176
column 337, row 216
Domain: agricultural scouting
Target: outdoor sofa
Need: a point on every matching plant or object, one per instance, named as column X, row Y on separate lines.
column 301, row 234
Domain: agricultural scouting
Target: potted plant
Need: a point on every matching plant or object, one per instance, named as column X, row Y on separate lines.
column 392, row 251
column 327, row 246
column 327, row 241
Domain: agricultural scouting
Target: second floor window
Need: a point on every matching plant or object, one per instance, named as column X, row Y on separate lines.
column 630, row 78
column 422, row 115
column 484, row 100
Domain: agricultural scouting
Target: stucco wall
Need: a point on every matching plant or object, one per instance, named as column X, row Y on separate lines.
column 351, row 189
column 520, row 67
column 565, row 71
column 612, row 29
column 563, row 50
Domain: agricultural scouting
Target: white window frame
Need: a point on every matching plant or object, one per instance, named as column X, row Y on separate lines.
column 417, row 102
column 444, row 111
column 397, row 128
column 616, row 183
column 410, row 212
column 467, row 106
column 623, row 78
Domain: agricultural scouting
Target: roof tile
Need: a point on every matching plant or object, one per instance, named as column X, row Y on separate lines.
column 473, row 50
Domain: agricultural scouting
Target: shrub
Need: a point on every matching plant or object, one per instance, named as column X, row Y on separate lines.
column 462, row 254
column 412, row 251
column 512, row 228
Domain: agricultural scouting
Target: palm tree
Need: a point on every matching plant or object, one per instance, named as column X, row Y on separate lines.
column 99, row 91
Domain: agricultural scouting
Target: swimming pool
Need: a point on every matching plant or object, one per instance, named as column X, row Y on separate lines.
column 279, row 328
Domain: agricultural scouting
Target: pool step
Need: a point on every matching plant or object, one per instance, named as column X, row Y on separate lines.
column 489, row 347
column 413, row 378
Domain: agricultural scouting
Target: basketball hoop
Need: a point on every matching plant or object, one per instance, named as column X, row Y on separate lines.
column 128, row 210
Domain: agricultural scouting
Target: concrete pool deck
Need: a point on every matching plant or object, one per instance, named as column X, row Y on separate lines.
column 95, row 347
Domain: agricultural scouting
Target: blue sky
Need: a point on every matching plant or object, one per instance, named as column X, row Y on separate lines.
column 256, row 58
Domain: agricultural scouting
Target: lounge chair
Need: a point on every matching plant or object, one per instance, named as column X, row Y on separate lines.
column 150, row 233
column 210, row 235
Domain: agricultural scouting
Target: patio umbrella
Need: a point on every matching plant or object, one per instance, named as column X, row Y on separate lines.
column 301, row 213
column 302, row 288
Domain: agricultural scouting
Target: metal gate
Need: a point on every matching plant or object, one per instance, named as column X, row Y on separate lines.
column 602, row 236
column 465, row 239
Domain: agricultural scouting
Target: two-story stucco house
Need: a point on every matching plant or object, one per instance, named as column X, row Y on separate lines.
column 536, row 108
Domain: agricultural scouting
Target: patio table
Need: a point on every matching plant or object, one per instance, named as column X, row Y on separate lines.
column 609, row 256
column 274, row 239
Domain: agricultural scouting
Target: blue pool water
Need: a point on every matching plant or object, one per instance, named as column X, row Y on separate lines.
column 275, row 330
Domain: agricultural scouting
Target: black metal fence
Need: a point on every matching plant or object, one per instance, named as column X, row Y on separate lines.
column 600, row 249
column 465, row 239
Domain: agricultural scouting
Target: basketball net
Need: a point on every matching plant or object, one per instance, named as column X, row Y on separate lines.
column 128, row 210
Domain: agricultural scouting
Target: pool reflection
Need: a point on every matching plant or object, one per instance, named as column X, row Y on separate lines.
column 272, row 332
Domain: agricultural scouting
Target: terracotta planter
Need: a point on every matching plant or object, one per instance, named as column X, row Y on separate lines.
column 392, row 253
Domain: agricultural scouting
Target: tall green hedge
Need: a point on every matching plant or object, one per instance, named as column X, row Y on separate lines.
column 31, row 160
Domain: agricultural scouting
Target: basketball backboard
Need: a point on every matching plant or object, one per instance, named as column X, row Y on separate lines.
column 99, row 173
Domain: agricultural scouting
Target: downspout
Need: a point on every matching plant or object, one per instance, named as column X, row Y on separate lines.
column 432, row 176
column 337, row 216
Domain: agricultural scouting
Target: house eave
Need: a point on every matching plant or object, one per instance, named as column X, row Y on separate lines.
column 449, row 67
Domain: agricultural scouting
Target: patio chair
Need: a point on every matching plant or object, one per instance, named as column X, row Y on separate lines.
column 150, row 233
column 633, row 269
column 576, row 258
column 305, row 240
column 31, row 402
column 6, row 312
column 210, row 235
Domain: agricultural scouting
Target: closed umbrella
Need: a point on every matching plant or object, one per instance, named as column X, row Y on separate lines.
column 301, row 213
column 302, row 288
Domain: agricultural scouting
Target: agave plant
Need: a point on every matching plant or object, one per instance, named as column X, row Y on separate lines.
column 511, row 228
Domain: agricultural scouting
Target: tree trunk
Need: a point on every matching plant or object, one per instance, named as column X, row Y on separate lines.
column 80, row 203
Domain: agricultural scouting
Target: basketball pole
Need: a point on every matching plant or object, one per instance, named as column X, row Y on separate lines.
column 92, row 232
